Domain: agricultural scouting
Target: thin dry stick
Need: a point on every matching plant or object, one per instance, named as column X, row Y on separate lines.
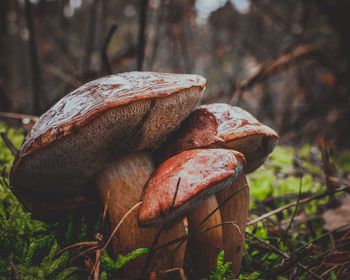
column 106, row 66
column 156, row 238
column 80, row 244
column 328, row 171
column 91, row 249
column 320, row 237
column 183, row 238
column 296, row 207
column 187, row 236
column 284, row 255
column 8, row 143
column 119, row 224
column 16, row 116
column 105, row 210
column 206, row 218
column 329, row 270
column 223, row 203
column 292, row 204
column 112, row 234
column 98, row 265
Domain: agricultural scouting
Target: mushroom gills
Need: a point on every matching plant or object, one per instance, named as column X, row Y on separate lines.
column 59, row 172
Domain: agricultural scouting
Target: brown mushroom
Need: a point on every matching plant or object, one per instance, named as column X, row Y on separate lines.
column 103, row 131
column 202, row 173
column 224, row 126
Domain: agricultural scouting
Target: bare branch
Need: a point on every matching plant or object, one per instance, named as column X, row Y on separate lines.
column 106, row 66
column 270, row 68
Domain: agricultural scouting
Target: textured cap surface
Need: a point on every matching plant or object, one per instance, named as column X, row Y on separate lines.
column 92, row 126
column 201, row 172
column 226, row 126
column 89, row 101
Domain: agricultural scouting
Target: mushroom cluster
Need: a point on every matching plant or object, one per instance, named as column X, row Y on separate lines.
column 137, row 136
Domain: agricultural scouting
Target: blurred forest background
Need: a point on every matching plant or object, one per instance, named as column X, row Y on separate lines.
column 287, row 62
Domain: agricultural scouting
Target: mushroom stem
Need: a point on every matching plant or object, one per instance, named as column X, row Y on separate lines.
column 234, row 210
column 202, row 249
column 124, row 180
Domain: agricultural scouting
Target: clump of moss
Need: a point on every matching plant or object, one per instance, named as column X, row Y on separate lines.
column 29, row 247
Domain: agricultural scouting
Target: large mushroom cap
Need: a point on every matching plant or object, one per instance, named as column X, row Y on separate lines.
column 202, row 173
column 225, row 126
column 87, row 129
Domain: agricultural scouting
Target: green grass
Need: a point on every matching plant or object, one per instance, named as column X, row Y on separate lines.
column 29, row 247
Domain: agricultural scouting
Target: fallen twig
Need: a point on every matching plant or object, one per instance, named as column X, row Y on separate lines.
column 292, row 204
column 21, row 120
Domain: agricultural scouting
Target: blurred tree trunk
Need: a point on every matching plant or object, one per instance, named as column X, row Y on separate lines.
column 4, row 42
column 337, row 13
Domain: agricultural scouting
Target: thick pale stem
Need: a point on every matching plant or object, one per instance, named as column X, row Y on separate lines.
column 234, row 210
column 202, row 249
column 124, row 180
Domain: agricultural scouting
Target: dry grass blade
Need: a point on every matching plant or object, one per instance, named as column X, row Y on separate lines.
column 296, row 207
column 119, row 224
column 223, row 203
column 105, row 208
column 111, row 236
column 187, row 236
column 89, row 250
column 76, row 245
column 98, row 265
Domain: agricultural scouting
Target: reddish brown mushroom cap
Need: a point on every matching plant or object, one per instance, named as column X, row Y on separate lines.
column 88, row 102
column 90, row 127
column 225, row 126
column 202, row 173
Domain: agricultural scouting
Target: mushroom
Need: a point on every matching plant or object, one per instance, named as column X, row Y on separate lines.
column 202, row 173
column 223, row 126
column 103, row 132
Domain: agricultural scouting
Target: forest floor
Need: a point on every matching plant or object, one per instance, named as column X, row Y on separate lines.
column 298, row 224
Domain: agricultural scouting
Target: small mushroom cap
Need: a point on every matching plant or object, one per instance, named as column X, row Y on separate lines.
column 221, row 125
column 93, row 125
column 202, row 173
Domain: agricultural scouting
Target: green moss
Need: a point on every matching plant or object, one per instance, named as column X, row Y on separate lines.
column 32, row 245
